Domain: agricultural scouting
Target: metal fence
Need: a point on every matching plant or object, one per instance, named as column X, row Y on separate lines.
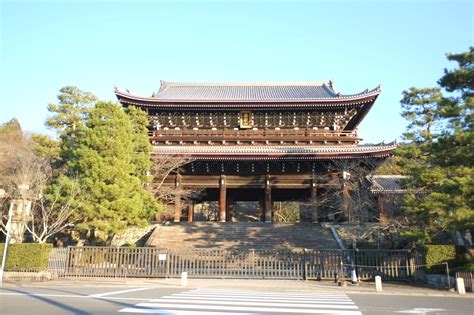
column 280, row 264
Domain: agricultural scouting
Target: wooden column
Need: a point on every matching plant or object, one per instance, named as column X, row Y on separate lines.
column 230, row 206
column 222, row 198
column 383, row 213
column 190, row 212
column 261, row 206
column 177, row 200
column 268, row 200
column 314, row 206
column 345, row 201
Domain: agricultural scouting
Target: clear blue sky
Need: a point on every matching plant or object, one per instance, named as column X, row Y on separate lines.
column 134, row 44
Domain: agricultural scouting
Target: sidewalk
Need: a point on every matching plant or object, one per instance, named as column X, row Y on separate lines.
column 254, row 284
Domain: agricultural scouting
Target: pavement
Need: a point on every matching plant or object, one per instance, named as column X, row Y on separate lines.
column 389, row 288
column 224, row 296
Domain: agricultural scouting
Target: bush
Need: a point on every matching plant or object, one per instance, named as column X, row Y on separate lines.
column 434, row 255
column 26, row 255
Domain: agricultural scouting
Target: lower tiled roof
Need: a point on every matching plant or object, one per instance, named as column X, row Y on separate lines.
column 276, row 152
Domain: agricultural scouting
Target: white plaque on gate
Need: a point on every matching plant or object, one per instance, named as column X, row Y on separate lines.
column 161, row 256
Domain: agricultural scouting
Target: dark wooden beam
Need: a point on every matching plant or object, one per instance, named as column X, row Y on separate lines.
column 222, row 198
column 177, row 201
column 268, row 200
column 314, row 207
column 190, row 212
column 345, row 201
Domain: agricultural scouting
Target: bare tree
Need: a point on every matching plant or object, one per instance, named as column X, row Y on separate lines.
column 351, row 173
column 54, row 211
column 163, row 167
column 40, row 204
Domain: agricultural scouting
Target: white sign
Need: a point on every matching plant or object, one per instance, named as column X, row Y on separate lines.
column 161, row 256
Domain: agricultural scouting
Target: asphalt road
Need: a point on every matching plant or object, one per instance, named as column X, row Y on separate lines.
column 152, row 300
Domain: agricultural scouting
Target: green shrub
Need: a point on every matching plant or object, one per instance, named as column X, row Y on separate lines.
column 26, row 255
column 434, row 255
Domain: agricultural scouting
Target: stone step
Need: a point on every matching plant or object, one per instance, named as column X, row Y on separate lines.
column 241, row 235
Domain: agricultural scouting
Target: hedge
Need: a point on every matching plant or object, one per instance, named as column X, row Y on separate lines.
column 433, row 255
column 26, row 255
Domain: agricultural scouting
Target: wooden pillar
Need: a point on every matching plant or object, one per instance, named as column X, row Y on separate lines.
column 314, row 206
column 230, row 206
column 190, row 212
column 222, row 198
column 261, row 205
column 268, row 200
column 345, row 201
column 177, row 200
column 383, row 214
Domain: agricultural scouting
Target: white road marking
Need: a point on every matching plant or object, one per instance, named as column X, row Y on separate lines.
column 253, row 299
column 227, row 296
column 420, row 310
column 202, row 301
column 163, row 311
column 153, row 304
column 118, row 292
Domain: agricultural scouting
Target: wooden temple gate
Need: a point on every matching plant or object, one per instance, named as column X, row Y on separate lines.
column 278, row 264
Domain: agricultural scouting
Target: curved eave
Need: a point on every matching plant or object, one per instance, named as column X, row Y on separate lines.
column 130, row 99
column 235, row 155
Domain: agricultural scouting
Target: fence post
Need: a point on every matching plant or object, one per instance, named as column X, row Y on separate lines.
column 447, row 276
column 167, row 265
column 305, row 268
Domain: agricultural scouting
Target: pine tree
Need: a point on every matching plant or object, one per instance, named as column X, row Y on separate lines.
column 439, row 155
column 104, row 159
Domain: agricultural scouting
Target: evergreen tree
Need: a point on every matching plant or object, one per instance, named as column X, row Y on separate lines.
column 439, row 155
column 109, row 160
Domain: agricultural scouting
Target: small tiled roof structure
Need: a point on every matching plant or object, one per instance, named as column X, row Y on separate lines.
column 387, row 184
column 219, row 152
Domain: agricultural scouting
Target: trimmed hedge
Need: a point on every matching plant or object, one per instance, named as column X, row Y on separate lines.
column 433, row 255
column 26, row 255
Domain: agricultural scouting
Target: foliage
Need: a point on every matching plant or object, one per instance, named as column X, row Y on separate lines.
column 68, row 116
column 286, row 212
column 103, row 159
column 439, row 155
column 26, row 255
column 435, row 255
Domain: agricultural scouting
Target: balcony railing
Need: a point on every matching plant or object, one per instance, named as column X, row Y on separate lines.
column 253, row 135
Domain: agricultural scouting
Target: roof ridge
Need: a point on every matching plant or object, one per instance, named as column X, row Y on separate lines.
column 311, row 83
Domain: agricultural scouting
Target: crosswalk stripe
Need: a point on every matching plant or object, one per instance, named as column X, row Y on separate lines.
column 250, row 304
column 252, row 299
column 229, row 296
column 213, row 301
column 250, row 309
column 287, row 293
column 163, row 311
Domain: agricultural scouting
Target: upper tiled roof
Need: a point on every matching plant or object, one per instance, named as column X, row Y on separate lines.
column 245, row 92
column 387, row 183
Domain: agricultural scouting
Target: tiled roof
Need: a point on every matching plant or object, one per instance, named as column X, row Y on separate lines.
column 246, row 92
column 387, row 183
column 272, row 152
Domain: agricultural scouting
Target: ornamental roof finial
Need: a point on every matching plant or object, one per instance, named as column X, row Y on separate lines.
column 330, row 84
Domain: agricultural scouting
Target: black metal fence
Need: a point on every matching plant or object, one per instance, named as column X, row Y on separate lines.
column 279, row 264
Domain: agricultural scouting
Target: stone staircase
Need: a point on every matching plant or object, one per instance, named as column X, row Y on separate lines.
column 241, row 236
